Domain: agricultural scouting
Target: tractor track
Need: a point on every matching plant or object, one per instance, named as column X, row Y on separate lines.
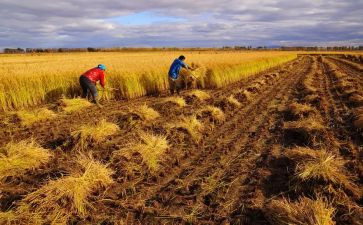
column 348, row 70
column 340, row 114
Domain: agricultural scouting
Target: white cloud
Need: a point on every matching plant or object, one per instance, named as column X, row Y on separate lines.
column 82, row 23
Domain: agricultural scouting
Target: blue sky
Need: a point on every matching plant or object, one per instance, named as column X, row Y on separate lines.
column 180, row 23
column 145, row 18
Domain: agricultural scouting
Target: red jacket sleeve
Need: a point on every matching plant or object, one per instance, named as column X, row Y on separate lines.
column 102, row 79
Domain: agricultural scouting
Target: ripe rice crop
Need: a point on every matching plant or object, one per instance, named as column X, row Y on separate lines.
column 33, row 79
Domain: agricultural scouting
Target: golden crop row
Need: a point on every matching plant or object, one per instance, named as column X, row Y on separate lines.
column 30, row 80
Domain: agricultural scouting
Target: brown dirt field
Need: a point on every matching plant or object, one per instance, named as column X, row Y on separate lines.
column 237, row 168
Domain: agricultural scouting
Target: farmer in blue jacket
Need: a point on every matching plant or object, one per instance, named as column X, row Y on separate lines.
column 174, row 82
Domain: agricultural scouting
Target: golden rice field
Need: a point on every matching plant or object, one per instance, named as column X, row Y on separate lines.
column 282, row 146
column 33, row 79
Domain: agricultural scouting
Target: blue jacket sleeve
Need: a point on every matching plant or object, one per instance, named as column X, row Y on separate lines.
column 183, row 64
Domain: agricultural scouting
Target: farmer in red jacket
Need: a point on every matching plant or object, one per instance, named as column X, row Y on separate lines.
column 89, row 80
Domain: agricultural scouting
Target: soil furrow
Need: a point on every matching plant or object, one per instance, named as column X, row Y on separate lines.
column 340, row 114
column 195, row 160
column 251, row 122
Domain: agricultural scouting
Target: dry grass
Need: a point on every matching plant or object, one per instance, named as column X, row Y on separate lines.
column 17, row 158
column 216, row 113
column 233, row 101
column 201, row 95
column 244, row 95
column 254, row 88
column 303, row 212
column 151, row 147
column 93, row 133
column 191, row 124
column 75, row 104
column 312, row 99
column 298, row 110
column 14, row 218
column 212, row 183
column 321, row 166
column 62, row 199
column 306, row 128
column 29, row 117
column 308, row 83
column 309, row 89
column 146, row 113
column 179, row 101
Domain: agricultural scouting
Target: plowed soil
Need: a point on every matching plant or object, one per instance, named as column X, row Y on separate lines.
column 226, row 178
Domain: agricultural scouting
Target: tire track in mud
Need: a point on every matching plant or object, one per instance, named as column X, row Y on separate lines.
column 340, row 115
column 211, row 159
column 348, row 70
column 331, row 106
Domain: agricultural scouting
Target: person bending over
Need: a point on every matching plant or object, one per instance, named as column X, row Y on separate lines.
column 175, row 83
column 88, row 82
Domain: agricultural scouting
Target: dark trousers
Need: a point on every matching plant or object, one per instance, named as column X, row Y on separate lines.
column 174, row 85
column 87, row 85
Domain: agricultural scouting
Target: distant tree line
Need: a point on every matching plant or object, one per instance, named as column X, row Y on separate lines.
column 119, row 49
column 316, row 48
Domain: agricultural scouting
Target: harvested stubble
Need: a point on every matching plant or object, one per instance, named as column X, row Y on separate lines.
column 254, row 88
column 244, row 95
column 201, row 95
column 23, row 218
column 233, row 101
column 306, row 129
column 75, row 104
column 305, row 211
column 29, row 117
column 316, row 166
column 313, row 99
column 179, row 101
column 308, row 82
column 93, row 133
column 216, row 113
column 212, row 183
column 68, row 197
column 297, row 110
column 151, row 147
column 145, row 112
column 17, row 158
column 191, row 124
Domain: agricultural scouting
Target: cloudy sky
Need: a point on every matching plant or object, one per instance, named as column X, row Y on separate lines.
column 182, row 23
